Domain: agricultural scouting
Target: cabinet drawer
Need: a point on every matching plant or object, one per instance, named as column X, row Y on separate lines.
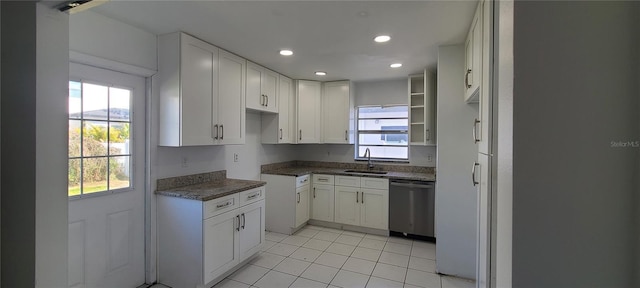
column 302, row 180
column 349, row 181
column 374, row 183
column 251, row 196
column 322, row 179
column 220, row 205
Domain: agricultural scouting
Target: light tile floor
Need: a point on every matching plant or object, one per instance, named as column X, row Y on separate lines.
column 324, row 257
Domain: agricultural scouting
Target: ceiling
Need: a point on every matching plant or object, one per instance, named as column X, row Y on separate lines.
column 335, row 37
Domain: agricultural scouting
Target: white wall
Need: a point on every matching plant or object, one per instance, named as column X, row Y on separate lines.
column 456, row 197
column 575, row 91
column 381, row 92
column 34, row 246
column 96, row 35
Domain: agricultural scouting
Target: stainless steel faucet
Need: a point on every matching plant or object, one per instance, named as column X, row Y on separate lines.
column 367, row 153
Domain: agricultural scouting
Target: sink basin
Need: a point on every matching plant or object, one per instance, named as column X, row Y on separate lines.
column 366, row 172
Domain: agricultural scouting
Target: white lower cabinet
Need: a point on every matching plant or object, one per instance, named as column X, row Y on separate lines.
column 365, row 203
column 200, row 241
column 287, row 202
column 322, row 198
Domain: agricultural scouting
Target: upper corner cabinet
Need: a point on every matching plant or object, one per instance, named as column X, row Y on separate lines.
column 201, row 93
column 337, row 113
column 473, row 57
column 422, row 109
column 308, row 103
column 262, row 89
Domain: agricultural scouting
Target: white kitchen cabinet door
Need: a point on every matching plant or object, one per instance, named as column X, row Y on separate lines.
column 261, row 88
column 220, row 245
column 347, row 205
column 251, row 229
column 482, row 181
column 309, row 106
column 187, row 82
column 375, row 208
column 302, row 205
column 230, row 99
column 322, row 202
column 336, row 112
column 473, row 62
column 278, row 128
column 483, row 134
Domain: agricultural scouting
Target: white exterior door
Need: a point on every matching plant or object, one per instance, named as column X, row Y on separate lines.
column 106, row 178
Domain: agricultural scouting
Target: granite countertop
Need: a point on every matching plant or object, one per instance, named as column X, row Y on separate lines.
column 204, row 187
column 305, row 170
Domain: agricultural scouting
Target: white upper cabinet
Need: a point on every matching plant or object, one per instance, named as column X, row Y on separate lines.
column 262, row 88
column 196, row 107
column 482, row 135
column 337, row 113
column 473, row 57
column 309, row 106
column 422, row 112
column 279, row 128
column 231, row 112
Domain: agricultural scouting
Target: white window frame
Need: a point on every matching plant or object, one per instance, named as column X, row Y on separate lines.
column 358, row 132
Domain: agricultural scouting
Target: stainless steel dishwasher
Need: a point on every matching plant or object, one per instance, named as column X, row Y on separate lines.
column 412, row 208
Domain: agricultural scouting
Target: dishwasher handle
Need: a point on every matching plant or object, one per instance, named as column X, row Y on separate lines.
column 413, row 184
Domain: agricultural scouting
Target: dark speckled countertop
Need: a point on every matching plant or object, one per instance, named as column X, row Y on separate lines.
column 299, row 168
column 205, row 186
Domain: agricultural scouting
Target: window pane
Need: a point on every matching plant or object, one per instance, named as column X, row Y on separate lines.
column 119, row 172
column 74, row 138
column 383, row 112
column 95, row 101
column 119, row 138
column 75, row 102
column 94, row 141
column 74, row 177
column 385, row 152
column 382, row 124
column 119, row 102
column 94, row 175
column 383, row 139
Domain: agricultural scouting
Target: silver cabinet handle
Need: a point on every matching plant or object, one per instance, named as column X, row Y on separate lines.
column 223, row 205
column 253, row 196
column 267, row 100
column 238, row 229
column 473, row 173
column 357, row 196
column 346, row 135
column 466, row 79
column 426, row 132
column 314, row 192
column 300, row 134
column 222, row 133
column 362, row 197
column 474, row 131
column 215, row 127
column 262, row 100
column 280, row 133
column 298, row 198
column 244, row 221
column 323, row 179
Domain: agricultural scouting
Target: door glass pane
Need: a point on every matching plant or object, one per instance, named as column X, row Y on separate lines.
column 385, row 152
column 75, row 102
column 119, row 138
column 119, row 173
column 94, row 141
column 95, row 101
column 74, row 138
column 119, row 104
column 74, row 177
column 94, row 174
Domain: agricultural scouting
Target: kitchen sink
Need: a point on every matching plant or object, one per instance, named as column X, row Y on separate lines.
column 366, row 172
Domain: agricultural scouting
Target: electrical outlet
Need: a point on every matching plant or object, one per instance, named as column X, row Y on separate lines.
column 429, row 157
column 185, row 162
column 235, row 157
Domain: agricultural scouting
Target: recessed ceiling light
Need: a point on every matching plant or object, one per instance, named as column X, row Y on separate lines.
column 396, row 65
column 320, row 73
column 382, row 38
column 286, row 52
